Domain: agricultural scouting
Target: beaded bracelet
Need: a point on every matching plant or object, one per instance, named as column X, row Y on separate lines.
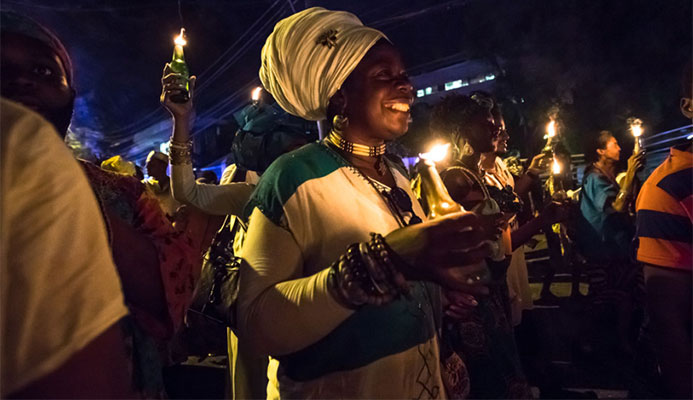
column 366, row 274
column 180, row 153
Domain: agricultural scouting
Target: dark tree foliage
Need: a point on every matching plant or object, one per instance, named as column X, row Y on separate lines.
column 598, row 62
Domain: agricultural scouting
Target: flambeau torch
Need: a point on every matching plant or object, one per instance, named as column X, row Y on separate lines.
column 557, row 191
column 438, row 198
column 179, row 66
column 636, row 130
column 551, row 130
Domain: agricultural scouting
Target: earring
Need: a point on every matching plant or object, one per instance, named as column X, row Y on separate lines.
column 467, row 149
column 340, row 123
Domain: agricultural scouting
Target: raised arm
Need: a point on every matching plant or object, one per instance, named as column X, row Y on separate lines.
column 212, row 199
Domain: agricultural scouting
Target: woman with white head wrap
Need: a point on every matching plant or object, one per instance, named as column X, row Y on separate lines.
column 342, row 316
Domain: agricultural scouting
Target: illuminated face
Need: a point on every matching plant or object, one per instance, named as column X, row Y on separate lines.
column 378, row 96
column 481, row 132
column 500, row 143
column 32, row 74
column 612, row 151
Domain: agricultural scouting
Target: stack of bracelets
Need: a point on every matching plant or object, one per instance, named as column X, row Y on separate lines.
column 367, row 274
column 180, row 153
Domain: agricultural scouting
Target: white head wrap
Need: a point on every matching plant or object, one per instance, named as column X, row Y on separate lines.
column 309, row 55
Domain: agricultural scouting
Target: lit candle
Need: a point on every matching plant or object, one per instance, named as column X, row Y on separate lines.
column 179, row 41
column 556, row 167
column 557, row 190
column 551, row 129
column 437, row 153
column 636, row 129
column 255, row 95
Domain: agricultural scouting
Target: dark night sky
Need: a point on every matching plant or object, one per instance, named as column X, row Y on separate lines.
column 120, row 47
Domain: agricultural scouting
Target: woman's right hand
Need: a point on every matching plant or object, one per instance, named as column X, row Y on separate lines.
column 448, row 250
column 540, row 163
column 635, row 163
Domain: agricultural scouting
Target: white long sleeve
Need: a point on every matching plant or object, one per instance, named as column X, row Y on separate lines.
column 229, row 199
column 278, row 313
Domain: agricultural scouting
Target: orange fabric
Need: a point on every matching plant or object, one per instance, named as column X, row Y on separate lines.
column 653, row 198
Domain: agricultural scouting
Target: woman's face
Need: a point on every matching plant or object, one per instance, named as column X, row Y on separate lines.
column 378, row 95
column 612, row 151
column 481, row 132
column 500, row 143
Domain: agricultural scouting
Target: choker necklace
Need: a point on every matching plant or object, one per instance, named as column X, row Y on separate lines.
column 355, row 148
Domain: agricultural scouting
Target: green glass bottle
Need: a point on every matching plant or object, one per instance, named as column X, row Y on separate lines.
column 179, row 66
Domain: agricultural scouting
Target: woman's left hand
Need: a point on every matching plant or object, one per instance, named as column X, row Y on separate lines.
column 555, row 212
column 459, row 305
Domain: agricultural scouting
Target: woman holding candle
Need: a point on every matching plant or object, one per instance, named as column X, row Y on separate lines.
column 341, row 314
column 496, row 175
column 606, row 231
column 483, row 338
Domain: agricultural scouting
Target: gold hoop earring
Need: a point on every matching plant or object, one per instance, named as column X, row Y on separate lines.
column 467, row 149
column 340, row 123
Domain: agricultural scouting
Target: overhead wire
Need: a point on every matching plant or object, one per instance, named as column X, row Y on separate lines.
column 154, row 115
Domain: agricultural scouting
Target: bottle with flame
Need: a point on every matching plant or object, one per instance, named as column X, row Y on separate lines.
column 551, row 130
column 636, row 130
column 179, row 66
column 439, row 200
column 436, row 195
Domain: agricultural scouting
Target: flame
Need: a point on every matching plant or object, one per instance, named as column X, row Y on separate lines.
column 256, row 93
column 551, row 129
column 437, row 153
column 636, row 127
column 556, row 167
column 180, row 39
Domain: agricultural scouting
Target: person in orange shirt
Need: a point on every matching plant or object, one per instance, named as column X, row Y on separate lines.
column 664, row 230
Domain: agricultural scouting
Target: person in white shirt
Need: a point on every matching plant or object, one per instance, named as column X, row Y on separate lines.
column 61, row 299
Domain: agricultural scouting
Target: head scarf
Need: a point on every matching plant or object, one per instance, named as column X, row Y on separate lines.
column 16, row 23
column 120, row 165
column 309, row 55
column 156, row 155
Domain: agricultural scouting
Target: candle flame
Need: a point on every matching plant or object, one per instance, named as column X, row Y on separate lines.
column 556, row 167
column 551, row 129
column 437, row 153
column 180, row 39
column 256, row 93
column 636, row 127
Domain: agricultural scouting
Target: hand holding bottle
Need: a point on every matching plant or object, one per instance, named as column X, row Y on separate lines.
column 449, row 251
column 183, row 113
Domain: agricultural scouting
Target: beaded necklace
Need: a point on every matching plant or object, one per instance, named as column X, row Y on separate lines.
column 355, row 148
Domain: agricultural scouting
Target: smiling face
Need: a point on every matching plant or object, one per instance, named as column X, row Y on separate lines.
column 378, row 97
column 500, row 143
column 32, row 74
column 481, row 132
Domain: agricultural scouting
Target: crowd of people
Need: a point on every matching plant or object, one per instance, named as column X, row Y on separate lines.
column 342, row 281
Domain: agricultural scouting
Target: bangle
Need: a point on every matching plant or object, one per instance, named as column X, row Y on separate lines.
column 176, row 143
column 366, row 274
column 180, row 154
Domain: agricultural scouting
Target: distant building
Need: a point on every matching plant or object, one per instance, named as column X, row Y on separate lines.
column 462, row 77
